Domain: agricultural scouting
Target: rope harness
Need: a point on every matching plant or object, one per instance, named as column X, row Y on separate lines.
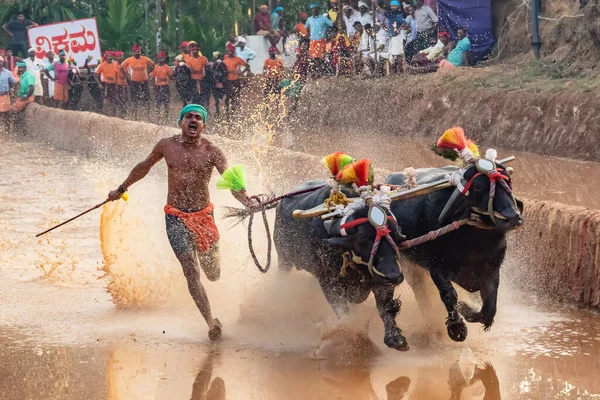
column 494, row 177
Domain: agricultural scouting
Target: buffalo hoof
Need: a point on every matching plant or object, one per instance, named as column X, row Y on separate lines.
column 468, row 312
column 457, row 330
column 396, row 341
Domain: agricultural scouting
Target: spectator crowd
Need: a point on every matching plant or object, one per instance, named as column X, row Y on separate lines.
column 358, row 41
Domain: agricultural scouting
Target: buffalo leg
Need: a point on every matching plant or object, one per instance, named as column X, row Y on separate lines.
column 457, row 329
column 334, row 294
column 489, row 295
column 388, row 308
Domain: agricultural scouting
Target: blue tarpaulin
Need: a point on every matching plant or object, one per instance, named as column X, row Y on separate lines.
column 476, row 16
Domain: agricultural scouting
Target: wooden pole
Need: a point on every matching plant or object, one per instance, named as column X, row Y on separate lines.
column 158, row 24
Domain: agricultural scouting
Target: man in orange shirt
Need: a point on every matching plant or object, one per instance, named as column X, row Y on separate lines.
column 198, row 64
column 273, row 72
column 106, row 77
column 136, row 69
column 185, row 51
column 162, row 74
column 233, row 85
column 122, row 89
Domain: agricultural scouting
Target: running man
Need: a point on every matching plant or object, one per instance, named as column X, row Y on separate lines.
column 191, row 228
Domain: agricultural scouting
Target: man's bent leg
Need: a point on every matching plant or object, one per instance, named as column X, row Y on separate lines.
column 210, row 262
column 183, row 244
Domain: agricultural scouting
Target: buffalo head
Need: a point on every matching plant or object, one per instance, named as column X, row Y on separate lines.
column 372, row 247
column 487, row 195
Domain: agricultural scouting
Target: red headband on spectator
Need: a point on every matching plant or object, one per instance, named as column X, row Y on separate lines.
column 230, row 47
column 136, row 47
column 444, row 34
column 161, row 54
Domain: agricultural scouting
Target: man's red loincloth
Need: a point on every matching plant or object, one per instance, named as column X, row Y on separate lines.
column 200, row 223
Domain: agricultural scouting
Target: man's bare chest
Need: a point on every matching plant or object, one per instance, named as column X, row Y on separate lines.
column 191, row 160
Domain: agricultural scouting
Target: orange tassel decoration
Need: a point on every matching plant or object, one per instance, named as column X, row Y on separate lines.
column 359, row 172
column 336, row 162
column 454, row 139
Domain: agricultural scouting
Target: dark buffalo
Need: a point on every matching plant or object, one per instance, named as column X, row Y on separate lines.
column 470, row 256
column 308, row 245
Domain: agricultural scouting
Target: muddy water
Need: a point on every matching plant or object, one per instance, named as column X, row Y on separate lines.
column 67, row 332
column 536, row 177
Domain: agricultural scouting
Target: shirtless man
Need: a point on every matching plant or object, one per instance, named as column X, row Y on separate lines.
column 189, row 213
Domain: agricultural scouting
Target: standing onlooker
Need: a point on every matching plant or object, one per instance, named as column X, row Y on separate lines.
column 122, row 88
column 61, row 79
column 273, row 71
column 162, row 74
column 262, row 25
column 6, row 81
column 106, row 77
column 35, row 66
column 411, row 33
column 425, row 23
column 138, row 67
column 317, row 26
column 350, row 17
column 233, row 86
column 218, row 73
column 47, row 61
column 278, row 25
column 242, row 51
column 198, row 64
column 332, row 10
column 183, row 80
column 396, row 25
column 364, row 16
column 17, row 29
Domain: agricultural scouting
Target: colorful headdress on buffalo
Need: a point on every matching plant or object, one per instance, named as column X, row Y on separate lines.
column 454, row 144
column 336, row 162
column 72, row 61
column 359, row 172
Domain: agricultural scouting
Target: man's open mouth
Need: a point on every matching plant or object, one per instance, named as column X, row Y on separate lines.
column 193, row 128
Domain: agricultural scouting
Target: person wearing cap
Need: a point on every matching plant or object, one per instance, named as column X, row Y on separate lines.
column 396, row 25
column 365, row 16
column 185, row 50
column 262, row 25
column 136, row 69
column 317, row 26
column 35, row 67
column 162, row 74
column 183, row 80
column 278, row 25
column 242, row 51
column 189, row 214
column 233, row 85
column 434, row 52
column 60, row 79
column 198, row 64
column 26, row 88
column 106, row 77
column 351, row 16
column 273, row 71
column 6, row 81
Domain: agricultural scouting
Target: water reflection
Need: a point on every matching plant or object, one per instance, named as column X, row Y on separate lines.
column 205, row 389
column 462, row 377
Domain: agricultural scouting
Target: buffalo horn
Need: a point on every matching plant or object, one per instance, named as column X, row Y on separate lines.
column 450, row 206
column 316, row 211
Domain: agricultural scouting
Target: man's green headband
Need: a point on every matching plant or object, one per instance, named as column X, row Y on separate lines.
column 193, row 108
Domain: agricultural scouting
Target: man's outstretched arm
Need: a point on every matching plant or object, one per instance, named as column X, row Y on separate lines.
column 139, row 171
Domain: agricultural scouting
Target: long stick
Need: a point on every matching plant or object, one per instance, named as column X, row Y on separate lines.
column 75, row 217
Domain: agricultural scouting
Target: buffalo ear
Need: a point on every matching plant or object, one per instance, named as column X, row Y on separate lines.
column 519, row 205
column 343, row 242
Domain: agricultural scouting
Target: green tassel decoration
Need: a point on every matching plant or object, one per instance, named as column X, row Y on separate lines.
column 233, row 178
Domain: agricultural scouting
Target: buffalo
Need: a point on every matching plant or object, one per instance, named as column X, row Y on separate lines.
column 343, row 260
column 471, row 256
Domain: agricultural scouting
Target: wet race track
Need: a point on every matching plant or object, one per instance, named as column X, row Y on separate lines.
column 75, row 325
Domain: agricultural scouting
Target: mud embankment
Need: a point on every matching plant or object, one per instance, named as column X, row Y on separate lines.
column 556, row 119
column 556, row 253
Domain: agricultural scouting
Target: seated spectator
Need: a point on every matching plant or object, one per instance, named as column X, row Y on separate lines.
column 278, row 25
column 262, row 25
column 434, row 52
column 458, row 56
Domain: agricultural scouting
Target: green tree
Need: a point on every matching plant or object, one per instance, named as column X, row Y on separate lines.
column 123, row 25
column 47, row 11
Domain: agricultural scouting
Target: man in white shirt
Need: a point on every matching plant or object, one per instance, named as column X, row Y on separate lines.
column 34, row 66
column 243, row 52
column 425, row 17
column 365, row 16
column 350, row 17
column 46, row 62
